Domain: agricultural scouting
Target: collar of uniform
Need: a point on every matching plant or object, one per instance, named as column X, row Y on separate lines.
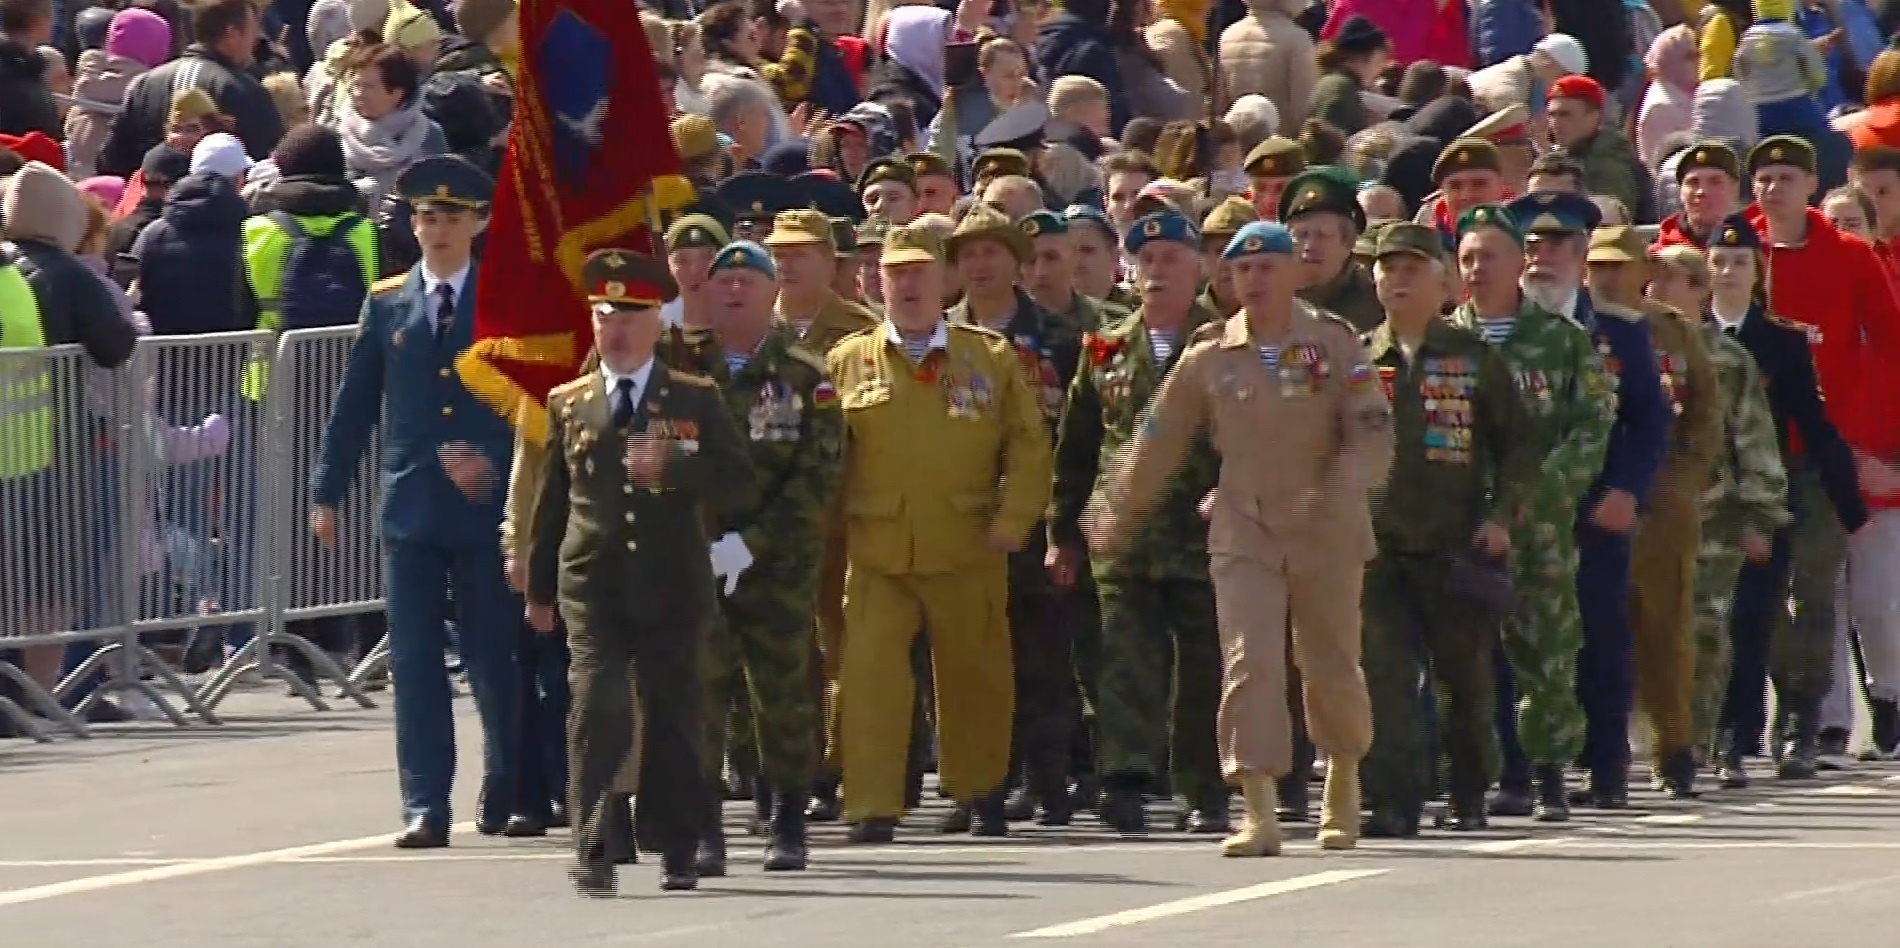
column 639, row 377
column 1238, row 333
column 456, row 281
column 939, row 337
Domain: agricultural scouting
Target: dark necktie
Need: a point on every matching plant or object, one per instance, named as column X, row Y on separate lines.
column 444, row 311
column 623, row 402
column 1734, row 330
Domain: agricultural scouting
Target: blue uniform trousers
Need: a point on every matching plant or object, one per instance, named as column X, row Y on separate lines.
column 1606, row 670
column 488, row 617
column 1760, row 589
column 541, row 724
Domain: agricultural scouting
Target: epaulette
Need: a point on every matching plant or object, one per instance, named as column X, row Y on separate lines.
column 802, row 354
column 1619, row 312
column 567, row 388
column 688, row 378
column 1786, row 323
column 855, row 335
column 388, row 285
column 1338, row 320
column 1206, row 332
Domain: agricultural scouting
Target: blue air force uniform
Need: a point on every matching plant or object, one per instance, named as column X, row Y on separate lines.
column 402, row 371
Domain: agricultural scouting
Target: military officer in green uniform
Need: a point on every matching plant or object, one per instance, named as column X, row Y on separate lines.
column 1157, row 604
column 1321, row 207
column 640, row 455
column 1664, row 550
column 1572, row 405
column 1098, row 257
column 1463, row 467
column 779, row 395
column 1217, row 228
column 1049, row 275
column 988, row 251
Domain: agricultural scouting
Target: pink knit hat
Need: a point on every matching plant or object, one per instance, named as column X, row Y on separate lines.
column 141, row 36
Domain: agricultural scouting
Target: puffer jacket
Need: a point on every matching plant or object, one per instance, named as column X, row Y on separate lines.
column 1183, row 61
column 1266, row 53
column 45, row 220
column 98, row 96
column 191, row 261
column 1505, row 28
column 1072, row 42
column 26, row 104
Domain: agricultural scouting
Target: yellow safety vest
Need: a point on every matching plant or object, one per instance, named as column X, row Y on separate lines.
column 26, row 394
column 266, row 253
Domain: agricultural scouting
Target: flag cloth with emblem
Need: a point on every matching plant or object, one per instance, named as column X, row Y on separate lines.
column 581, row 173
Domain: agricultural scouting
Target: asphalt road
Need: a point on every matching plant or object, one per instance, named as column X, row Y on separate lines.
column 273, row 831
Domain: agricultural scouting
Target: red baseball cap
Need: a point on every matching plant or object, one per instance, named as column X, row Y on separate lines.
column 1578, row 87
column 36, row 146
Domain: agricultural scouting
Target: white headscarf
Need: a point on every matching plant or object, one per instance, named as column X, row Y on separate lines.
column 915, row 37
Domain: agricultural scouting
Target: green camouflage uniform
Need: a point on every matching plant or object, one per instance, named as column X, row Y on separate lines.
column 1351, row 295
column 1572, row 403
column 1157, row 604
column 1750, row 491
column 1465, row 455
column 783, row 400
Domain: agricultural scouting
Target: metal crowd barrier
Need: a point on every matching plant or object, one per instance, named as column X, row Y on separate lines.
column 154, row 509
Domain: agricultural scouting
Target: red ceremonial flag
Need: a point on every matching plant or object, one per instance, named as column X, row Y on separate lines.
column 590, row 163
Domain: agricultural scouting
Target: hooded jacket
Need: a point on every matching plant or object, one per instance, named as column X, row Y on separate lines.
column 189, row 259
column 1075, row 41
column 45, row 220
column 98, row 91
column 237, row 93
column 26, row 104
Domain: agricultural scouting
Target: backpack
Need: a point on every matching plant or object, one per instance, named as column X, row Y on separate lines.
column 323, row 279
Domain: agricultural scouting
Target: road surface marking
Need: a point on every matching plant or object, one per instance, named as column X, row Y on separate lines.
column 1670, row 819
column 1841, row 889
column 1847, row 790
column 1090, row 926
column 195, row 867
column 83, row 863
column 1496, row 846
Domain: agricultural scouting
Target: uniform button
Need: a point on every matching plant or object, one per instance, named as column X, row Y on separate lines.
column 629, row 516
column 444, row 373
column 447, row 411
column 626, row 489
column 631, row 546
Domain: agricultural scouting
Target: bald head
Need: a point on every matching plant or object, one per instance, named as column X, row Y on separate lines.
column 1014, row 195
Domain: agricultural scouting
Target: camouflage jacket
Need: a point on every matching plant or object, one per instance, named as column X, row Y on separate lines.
column 1350, row 295
column 1048, row 345
column 1750, row 487
column 1108, row 394
column 783, row 402
column 1462, row 448
column 1571, row 397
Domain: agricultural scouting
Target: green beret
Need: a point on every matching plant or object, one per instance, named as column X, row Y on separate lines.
column 1490, row 215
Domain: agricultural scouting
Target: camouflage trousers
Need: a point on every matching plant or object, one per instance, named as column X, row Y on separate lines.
column 1717, row 567
column 759, row 654
column 1801, row 646
column 1542, row 639
column 1160, row 683
column 1417, row 631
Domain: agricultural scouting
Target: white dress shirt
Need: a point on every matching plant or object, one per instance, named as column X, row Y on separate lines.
column 457, row 281
column 639, row 377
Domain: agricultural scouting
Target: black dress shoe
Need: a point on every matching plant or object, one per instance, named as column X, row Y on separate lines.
column 1677, row 771
column 787, row 850
column 1468, row 813
column 824, row 806
column 1553, row 802
column 557, row 817
column 521, row 827
column 880, row 829
column 1389, row 823
column 678, row 881
column 1020, row 806
column 594, row 880
column 1730, row 774
column 990, row 815
column 1511, row 800
column 711, row 860
column 1208, row 816
column 679, row 871
column 422, row 834
column 1057, row 809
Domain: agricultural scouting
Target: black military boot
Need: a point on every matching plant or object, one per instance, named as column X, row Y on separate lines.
column 711, row 858
column 678, row 873
column 1123, row 808
column 786, row 852
column 1514, row 794
column 1608, row 789
column 1730, row 774
column 1553, row 803
column 593, row 877
column 1020, row 804
column 956, row 820
column 1293, row 790
column 1468, row 812
column 1677, row 769
column 1207, row 813
column 1390, row 822
column 990, row 815
column 825, row 806
column 1050, row 781
column 616, row 830
column 1798, row 755
column 759, row 823
column 881, row 829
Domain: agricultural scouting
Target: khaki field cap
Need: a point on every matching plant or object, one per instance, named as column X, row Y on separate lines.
column 987, row 223
column 910, row 245
column 1416, row 239
column 1617, row 244
column 799, row 228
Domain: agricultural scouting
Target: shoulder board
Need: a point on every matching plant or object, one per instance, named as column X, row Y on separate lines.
column 802, row 354
column 568, row 388
column 688, row 378
column 989, row 334
column 1785, row 323
column 854, row 337
column 1617, row 312
column 1208, row 331
column 861, row 311
column 1342, row 322
column 387, row 285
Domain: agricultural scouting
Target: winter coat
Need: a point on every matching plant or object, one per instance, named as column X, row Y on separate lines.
column 1067, row 44
column 1610, row 166
column 98, row 96
column 1268, row 54
column 238, row 94
column 191, row 259
column 1603, row 29
column 1418, row 29
column 26, row 104
column 1183, row 61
